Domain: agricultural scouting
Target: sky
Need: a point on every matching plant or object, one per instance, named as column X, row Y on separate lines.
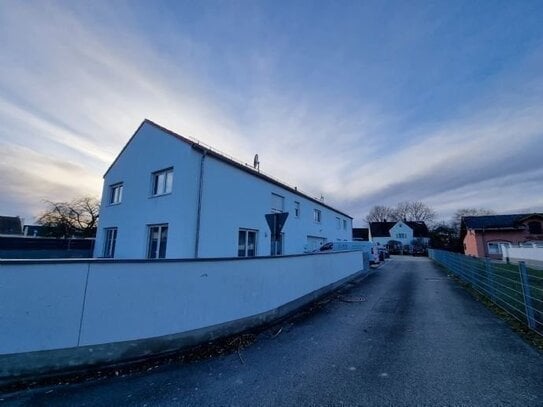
column 363, row 102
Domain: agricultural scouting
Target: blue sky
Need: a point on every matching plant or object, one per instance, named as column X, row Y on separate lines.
column 366, row 103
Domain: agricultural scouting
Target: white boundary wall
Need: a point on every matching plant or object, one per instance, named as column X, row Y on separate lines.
column 533, row 256
column 46, row 305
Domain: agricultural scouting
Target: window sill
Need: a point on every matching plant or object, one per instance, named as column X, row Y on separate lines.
column 159, row 195
column 114, row 203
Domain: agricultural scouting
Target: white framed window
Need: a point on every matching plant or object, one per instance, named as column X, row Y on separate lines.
column 317, row 215
column 495, row 247
column 401, row 235
column 157, row 242
column 344, row 224
column 277, row 203
column 109, row 242
column 338, row 223
column 247, row 242
column 162, row 182
column 296, row 209
column 115, row 193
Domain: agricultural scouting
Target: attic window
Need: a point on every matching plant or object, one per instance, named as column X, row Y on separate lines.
column 116, row 193
column 162, row 182
column 534, row 228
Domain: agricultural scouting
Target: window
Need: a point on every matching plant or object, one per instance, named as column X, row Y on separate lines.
column 278, row 245
column 401, row 235
column 296, row 209
column 278, row 203
column 115, row 193
column 158, row 238
column 344, row 224
column 534, row 228
column 162, row 182
column 109, row 244
column 338, row 223
column 317, row 215
column 494, row 248
column 247, row 243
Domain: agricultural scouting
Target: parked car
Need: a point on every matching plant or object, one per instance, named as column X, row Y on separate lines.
column 418, row 251
column 367, row 247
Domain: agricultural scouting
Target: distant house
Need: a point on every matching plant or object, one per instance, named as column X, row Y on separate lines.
column 36, row 230
column 361, row 234
column 11, row 225
column 166, row 196
column 482, row 235
column 405, row 233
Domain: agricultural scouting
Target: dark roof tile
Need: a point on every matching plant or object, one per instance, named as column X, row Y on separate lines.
column 497, row 221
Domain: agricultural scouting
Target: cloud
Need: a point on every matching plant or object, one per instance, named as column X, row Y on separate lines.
column 75, row 82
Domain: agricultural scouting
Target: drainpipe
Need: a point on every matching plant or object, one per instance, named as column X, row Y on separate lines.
column 199, row 209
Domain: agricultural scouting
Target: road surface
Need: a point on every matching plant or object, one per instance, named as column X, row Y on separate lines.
column 417, row 339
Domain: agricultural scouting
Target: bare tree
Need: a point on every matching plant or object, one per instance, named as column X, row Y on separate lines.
column 66, row 219
column 380, row 214
column 460, row 213
column 414, row 211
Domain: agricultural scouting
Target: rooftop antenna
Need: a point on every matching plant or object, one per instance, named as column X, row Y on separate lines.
column 256, row 163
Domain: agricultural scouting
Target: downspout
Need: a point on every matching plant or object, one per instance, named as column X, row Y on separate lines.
column 199, row 209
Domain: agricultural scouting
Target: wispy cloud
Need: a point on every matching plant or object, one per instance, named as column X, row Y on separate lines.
column 75, row 82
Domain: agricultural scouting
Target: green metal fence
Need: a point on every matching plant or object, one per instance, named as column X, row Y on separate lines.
column 517, row 289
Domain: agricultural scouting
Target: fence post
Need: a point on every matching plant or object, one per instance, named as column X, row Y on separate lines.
column 490, row 279
column 526, row 294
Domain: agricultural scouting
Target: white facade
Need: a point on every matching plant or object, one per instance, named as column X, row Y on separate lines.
column 208, row 203
column 400, row 232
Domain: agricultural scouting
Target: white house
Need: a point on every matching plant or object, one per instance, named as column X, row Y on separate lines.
column 403, row 232
column 166, row 196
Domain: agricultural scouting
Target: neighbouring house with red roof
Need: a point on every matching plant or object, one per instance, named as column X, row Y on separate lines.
column 483, row 235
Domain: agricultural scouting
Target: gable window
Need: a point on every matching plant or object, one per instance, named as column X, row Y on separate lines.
column 162, row 182
column 247, row 243
column 344, row 224
column 158, row 239
column 534, row 228
column 116, row 193
column 278, row 203
column 317, row 216
column 338, row 223
column 296, row 209
column 401, row 235
column 109, row 243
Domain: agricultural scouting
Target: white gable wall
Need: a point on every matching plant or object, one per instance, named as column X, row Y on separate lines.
column 150, row 151
column 401, row 233
column 231, row 199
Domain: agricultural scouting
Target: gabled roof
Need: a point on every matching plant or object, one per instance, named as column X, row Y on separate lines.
column 228, row 160
column 361, row 233
column 10, row 225
column 497, row 221
column 382, row 229
column 419, row 229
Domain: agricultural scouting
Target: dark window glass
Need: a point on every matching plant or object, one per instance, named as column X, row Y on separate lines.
column 158, row 239
column 534, row 228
